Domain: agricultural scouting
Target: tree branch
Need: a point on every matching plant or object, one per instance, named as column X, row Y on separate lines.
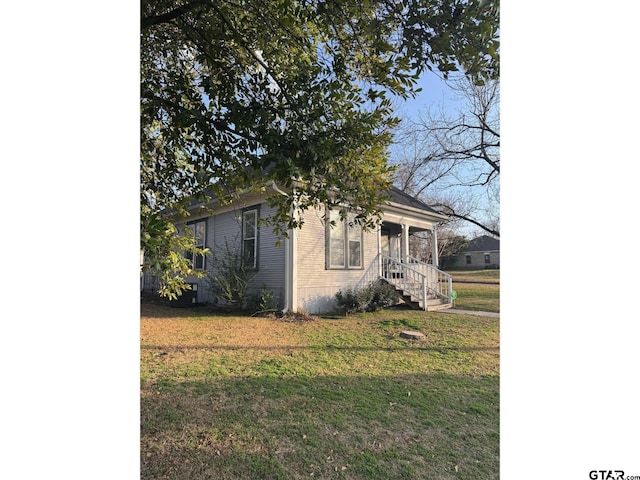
column 251, row 52
column 447, row 210
column 202, row 120
column 147, row 22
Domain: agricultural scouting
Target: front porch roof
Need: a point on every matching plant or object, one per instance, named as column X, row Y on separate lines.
column 401, row 198
column 402, row 208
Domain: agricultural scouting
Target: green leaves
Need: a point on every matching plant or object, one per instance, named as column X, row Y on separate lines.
column 163, row 251
column 302, row 88
column 231, row 279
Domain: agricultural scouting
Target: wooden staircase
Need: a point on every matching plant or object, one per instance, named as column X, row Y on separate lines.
column 433, row 303
column 421, row 286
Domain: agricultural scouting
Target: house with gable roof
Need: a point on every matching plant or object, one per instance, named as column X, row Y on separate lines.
column 483, row 252
column 305, row 270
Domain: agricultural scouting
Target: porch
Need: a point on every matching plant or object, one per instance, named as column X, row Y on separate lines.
column 421, row 286
column 407, row 259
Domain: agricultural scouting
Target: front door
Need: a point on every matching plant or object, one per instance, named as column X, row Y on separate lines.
column 389, row 244
column 385, row 248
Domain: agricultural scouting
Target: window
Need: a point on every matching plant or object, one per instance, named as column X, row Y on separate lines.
column 468, row 259
column 344, row 243
column 250, row 237
column 199, row 232
column 354, row 239
column 487, row 259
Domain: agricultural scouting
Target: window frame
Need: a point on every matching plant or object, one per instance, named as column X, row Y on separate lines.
column 255, row 238
column 193, row 256
column 344, row 238
column 467, row 259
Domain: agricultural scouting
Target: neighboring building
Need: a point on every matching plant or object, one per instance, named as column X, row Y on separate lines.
column 306, row 270
column 482, row 252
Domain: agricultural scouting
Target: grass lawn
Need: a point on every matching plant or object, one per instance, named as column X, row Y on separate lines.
column 481, row 276
column 477, row 289
column 230, row 397
column 476, row 296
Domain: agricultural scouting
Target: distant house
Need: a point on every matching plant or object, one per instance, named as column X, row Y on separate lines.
column 306, row 270
column 482, row 252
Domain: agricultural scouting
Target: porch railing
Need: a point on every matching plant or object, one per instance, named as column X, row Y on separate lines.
column 440, row 283
column 415, row 278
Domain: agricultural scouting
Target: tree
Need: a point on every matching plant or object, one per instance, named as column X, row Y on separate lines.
column 238, row 92
column 454, row 162
column 450, row 242
column 164, row 249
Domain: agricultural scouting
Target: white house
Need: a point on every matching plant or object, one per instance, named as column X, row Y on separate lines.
column 307, row 269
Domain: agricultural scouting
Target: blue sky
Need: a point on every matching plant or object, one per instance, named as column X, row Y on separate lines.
column 436, row 95
column 434, row 92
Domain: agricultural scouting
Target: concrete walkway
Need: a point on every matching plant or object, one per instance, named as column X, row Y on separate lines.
column 470, row 312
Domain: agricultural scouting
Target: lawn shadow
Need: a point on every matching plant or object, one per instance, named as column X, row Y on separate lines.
column 409, row 345
column 156, row 307
column 282, row 426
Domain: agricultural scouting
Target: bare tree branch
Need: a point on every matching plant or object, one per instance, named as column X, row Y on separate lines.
column 447, row 210
column 458, row 154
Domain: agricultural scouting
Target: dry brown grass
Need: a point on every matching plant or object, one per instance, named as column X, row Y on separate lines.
column 164, row 327
column 236, row 397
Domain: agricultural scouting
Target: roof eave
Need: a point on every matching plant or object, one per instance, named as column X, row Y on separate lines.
column 405, row 208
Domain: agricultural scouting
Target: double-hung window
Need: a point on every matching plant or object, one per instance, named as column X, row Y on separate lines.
column 250, row 238
column 344, row 242
column 199, row 233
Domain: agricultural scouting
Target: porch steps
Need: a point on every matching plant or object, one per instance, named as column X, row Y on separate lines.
column 433, row 303
column 415, row 280
column 437, row 304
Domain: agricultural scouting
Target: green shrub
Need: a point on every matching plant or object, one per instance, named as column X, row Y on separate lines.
column 383, row 296
column 229, row 281
column 353, row 300
column 262, row 301
column 375, row 296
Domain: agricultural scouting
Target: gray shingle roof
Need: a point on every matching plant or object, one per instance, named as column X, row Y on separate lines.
column 398, row 196
column 483, row 243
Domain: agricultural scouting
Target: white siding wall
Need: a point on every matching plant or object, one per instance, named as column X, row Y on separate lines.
column 317, row 285
column 271, row 261
column 227, row 227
